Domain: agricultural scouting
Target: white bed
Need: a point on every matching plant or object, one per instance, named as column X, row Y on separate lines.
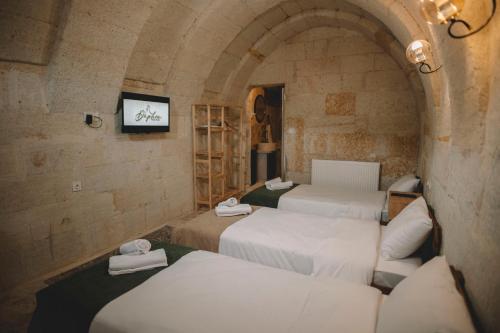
column 332, row 201
column 342, row 248
column 212, row 293
column 208, row 292
column 339, row 189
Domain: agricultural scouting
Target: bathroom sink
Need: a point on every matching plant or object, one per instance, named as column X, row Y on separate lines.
column 266, row 147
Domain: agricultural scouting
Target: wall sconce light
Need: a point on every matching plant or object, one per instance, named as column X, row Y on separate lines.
column 444, row 11
column 418, row 52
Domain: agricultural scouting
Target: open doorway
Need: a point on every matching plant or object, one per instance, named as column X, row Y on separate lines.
column 265, row 110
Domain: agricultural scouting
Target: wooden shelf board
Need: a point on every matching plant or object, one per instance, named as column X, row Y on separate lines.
column 212, row 128
column 217, row 154
column 205, row 175
column 204, row 201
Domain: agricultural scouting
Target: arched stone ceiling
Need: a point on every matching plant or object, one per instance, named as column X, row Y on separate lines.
column 216, row 37
column 230, row 86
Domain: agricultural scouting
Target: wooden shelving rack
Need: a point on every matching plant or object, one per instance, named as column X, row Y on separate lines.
column 217, row 154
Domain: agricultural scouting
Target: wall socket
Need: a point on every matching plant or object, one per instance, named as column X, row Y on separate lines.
column 88, row 117
column 76, row 186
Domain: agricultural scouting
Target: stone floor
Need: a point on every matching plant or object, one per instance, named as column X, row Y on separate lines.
column 18, row 304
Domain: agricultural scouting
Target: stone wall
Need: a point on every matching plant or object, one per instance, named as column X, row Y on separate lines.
column 63, row 58
column 130, row 183
column 461, row 162
column 346, row 99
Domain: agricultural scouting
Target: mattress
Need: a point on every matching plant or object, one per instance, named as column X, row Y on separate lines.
column 312, row 245
column 388, row 273
column 203, row 232
column 208, row 292
column 69, row 305
column 334, row 202
column 263, row 197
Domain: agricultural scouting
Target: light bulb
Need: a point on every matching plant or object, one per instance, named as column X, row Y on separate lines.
column 440, row 11
column 418, row 51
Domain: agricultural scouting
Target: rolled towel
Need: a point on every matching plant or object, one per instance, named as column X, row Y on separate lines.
column 135, row 247
column 125, row 264
column 273, row 181
column 280, row 186
column 231, row 202
column 241, row 209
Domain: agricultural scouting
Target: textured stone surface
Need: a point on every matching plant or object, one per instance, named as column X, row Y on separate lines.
column 343, row 115
column 340, row 104
column 196, row 51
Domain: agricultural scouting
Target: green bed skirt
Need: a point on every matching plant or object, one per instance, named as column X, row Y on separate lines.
column 264, row 197
column 70, row 305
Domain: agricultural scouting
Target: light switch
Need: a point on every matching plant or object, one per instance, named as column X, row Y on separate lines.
column 76, row 186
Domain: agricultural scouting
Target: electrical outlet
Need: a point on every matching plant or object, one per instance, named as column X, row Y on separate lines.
column 76, row 186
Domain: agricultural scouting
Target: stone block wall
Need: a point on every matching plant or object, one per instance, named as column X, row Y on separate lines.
column 59, row 59
column 131, row 184
column 346, row 99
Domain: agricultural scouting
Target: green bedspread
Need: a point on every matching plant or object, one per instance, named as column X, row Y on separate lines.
column 264, row 197
column 70, row 305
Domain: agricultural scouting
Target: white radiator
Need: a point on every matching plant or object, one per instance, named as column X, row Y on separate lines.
column 358, row 176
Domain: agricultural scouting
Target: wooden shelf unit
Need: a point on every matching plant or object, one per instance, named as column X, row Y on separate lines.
column 217, row 154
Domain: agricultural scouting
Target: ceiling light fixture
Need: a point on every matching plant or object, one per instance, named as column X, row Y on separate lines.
column 418, row 52
column 444, row 11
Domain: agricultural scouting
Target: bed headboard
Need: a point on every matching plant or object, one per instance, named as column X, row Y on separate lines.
column 460, row 285
column 359, row 176
column 432, row 245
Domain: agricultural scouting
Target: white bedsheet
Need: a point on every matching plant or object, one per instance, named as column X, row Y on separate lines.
column 312, row 245
column 208, row 292
column 388, row 273
column 334, row 202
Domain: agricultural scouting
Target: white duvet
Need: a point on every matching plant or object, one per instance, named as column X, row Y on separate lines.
column 208, row 292
column 311, row 245
column 334, row 202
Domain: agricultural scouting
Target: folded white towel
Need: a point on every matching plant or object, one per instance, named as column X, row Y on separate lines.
column 138, row 246
column 279, row 186
column 241, row 209
column 273, row 181
column 231, row 202
column 133, row 263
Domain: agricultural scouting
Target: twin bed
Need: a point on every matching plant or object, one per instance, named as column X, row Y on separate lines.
column 343, row 248
column 337, row 189
column 209, row 292
column 329, row 228
column 337, row 253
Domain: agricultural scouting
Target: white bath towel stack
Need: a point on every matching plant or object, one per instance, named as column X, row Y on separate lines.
column 135, row 247
column 125, row 264
column 241, row 209
column 278, row 184
column 230, row 207
column 231, row 202
column 135, row 256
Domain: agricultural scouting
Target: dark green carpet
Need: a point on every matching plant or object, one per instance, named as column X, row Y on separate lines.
column 70, row 304
column 263, row 197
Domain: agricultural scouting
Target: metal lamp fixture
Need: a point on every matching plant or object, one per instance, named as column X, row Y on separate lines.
column 418, row 52
column 444, row 11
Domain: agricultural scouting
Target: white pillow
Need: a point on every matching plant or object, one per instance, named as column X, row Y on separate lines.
column 407, row 231
column 407, row 183
column 426, row 301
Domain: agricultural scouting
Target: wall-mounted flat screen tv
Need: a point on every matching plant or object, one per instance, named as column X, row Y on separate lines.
column 144, row 113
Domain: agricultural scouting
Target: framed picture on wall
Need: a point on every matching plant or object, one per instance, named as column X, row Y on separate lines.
column 259, row 108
